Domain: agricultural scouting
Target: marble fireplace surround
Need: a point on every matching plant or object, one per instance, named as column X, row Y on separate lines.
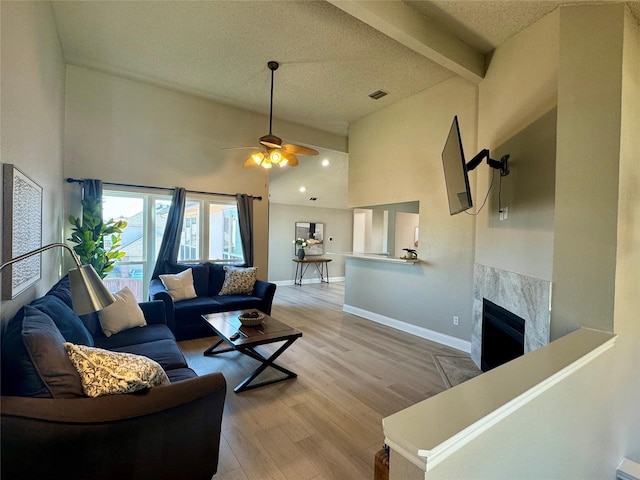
column 527, row 297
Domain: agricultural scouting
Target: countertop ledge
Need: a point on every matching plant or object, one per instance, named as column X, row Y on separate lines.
column 378, row 257
column 428, row 432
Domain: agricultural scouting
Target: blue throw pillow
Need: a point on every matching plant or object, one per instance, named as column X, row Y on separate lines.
column 69, row 324
column 19, row 375
column 47, row 353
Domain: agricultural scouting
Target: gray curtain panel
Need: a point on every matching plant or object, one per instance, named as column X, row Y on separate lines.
column 170, row 245
column 92, row 188
column 245, row 220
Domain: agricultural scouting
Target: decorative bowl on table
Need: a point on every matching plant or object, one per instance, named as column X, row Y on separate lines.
column 251, row 319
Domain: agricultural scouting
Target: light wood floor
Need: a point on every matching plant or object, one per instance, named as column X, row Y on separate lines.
column 327, row 423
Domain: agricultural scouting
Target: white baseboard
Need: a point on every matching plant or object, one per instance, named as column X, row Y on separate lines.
column 307, row 280
column 422, row 332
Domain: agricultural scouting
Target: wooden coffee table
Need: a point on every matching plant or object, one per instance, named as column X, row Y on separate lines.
column 244, row 340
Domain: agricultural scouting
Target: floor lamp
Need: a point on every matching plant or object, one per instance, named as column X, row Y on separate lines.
column 88, row 293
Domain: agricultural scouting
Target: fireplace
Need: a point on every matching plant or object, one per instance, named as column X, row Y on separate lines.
column 502, row 335
column 525, row 296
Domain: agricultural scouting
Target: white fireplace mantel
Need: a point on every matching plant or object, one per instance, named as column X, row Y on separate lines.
column 428, row 432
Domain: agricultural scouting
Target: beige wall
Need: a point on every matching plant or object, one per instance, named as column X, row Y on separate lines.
column 394, row 156
column 587, row 168
column 338, row 225
column 121, row 130
column 626, row 299
column 582, row 427
column 517, row 102
column 31, row 138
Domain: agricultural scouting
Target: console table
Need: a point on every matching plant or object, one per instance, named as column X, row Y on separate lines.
column 321, row 264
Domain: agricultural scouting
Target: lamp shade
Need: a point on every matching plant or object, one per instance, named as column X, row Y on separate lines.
column 88, row 293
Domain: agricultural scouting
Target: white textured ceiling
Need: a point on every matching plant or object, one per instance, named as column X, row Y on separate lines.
column 330, row 60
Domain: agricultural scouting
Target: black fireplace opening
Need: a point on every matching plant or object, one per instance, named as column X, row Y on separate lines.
column 502, row 336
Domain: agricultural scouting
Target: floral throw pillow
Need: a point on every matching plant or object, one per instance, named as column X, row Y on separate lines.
column 107, row 373
column 238, row 280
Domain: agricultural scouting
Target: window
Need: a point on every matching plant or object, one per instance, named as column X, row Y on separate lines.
column 224, row 233
column 210, row 232
column 190, row 238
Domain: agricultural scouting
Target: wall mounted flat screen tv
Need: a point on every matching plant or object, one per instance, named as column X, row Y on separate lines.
column 455, row 171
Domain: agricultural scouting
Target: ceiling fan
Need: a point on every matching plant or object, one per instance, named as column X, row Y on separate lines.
column 275, row 152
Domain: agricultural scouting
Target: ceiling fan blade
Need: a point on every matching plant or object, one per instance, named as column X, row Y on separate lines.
column 299, row 149
column 292, row 160
column 242, row 148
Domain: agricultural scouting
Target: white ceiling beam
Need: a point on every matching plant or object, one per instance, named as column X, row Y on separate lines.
column 400, row 22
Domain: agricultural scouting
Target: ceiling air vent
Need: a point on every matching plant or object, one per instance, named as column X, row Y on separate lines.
column 378, row 94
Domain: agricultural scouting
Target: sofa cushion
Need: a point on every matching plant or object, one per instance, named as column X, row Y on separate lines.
column 62, row 290
column 92, row 322
column 69, row 324
column 106, row 373
column 123, row 314
column 165, row 352
column 196, row 306
column 238, row 280
column 45, row 347
column 134, row 336
column 200, row 272
column 238, row 302
column 216, row 278
column 179, row 374
column 180, row 285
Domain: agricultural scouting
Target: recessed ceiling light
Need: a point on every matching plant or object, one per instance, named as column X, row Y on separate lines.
column 302, row 189
column 326, row 163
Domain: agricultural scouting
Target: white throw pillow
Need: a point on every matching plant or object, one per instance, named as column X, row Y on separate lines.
column 123, row 314
column 106, row 373
column 179, row 286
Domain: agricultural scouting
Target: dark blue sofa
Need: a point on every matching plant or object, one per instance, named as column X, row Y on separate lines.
column 184, row 317
column 51, row 430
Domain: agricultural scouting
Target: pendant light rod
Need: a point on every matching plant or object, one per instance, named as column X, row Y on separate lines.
column 273, row 66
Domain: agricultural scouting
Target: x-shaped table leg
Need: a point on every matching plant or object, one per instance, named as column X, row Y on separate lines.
column 266, row 362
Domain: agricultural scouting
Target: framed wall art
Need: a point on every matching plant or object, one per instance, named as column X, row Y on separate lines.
column 22, row 230
column 314, row 234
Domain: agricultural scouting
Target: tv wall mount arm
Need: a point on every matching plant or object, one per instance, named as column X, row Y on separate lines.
column 501, row 164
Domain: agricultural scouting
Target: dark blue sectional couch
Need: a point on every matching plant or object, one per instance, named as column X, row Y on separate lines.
column 50, row 429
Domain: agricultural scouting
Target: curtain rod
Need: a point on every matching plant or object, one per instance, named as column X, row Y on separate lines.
column 75, row 180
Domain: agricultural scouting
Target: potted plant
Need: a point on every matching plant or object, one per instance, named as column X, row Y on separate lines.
column 90, row 235
column 301, row 244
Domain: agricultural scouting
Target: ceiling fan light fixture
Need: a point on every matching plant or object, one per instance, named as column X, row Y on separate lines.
column 275, row 157
column 275, row 151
